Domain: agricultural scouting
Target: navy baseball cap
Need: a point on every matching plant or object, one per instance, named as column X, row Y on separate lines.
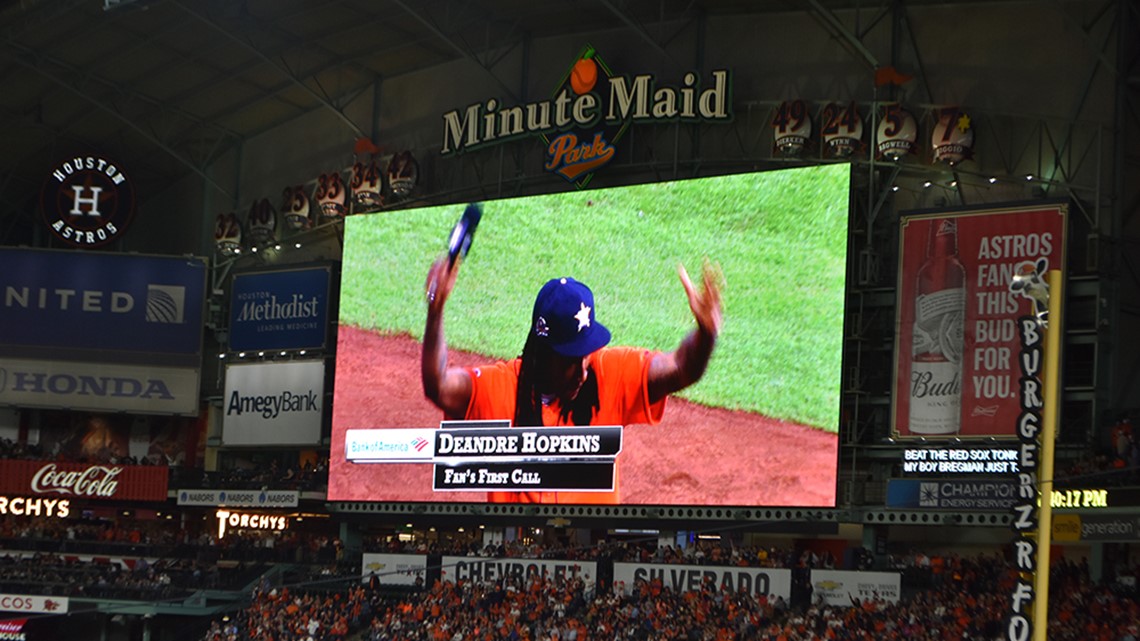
column 564, row 318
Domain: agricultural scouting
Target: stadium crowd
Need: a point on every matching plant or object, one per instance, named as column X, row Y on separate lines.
column 968, row 598
column 641, row 551
column 57, row 575
column 160, row 537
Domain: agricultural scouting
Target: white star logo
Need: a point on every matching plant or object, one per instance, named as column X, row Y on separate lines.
column 583, row 317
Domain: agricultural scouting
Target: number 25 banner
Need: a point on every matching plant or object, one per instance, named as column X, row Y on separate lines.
column 965, row 277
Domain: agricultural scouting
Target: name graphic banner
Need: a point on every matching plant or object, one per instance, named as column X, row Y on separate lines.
column 584, row 476
column 140, row 389
column 274, row 403
column 83, row 481
column 239, row 498
column 773, row 582
column 481, row 570
column 393, row 569
column 841, row 587
column 284, row 309
column 965, row 277
column 474, row 456
column 76, row 300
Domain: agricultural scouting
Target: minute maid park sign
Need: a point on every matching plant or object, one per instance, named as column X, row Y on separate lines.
column 589, row 111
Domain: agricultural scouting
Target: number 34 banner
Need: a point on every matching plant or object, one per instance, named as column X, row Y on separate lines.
column 965, row 278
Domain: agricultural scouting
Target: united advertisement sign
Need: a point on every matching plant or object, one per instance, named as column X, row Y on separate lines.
column 61, row 304
column 280, row 310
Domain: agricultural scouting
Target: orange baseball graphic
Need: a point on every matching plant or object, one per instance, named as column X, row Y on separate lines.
column 583, row 76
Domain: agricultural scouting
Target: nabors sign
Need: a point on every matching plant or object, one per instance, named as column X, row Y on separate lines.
column 587, row 113
column 88, row 201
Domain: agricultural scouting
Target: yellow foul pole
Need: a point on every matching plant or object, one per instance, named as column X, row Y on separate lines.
column 1051, row 375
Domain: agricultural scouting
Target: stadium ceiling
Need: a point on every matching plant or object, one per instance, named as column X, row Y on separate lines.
column 173, row 84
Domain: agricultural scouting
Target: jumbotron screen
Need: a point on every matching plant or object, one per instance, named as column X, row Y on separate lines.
column 758, row 428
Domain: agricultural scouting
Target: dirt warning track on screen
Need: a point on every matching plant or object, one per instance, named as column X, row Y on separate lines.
column 695, row 456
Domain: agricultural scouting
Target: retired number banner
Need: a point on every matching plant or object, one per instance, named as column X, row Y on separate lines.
column 965, row 277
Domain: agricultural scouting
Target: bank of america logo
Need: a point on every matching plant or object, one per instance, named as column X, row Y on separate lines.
column 420, row 443
column 165, row 304
column 928, row 495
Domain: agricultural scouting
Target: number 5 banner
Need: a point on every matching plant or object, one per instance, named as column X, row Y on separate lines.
column 965, row 277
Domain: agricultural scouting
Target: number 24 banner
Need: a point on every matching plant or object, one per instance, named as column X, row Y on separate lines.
column 965, row 278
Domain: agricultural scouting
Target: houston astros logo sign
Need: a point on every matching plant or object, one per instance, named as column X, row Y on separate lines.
column 88, row 201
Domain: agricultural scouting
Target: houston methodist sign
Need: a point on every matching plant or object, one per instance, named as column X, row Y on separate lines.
column 598, row 104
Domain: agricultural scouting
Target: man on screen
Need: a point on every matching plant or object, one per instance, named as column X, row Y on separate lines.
column 566, row 374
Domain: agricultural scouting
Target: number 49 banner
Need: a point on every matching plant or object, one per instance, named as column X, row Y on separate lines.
column 965, row 278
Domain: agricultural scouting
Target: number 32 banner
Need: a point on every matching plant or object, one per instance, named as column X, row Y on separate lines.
column 965, row 277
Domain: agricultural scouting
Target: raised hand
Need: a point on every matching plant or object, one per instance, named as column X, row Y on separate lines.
column 705, row 303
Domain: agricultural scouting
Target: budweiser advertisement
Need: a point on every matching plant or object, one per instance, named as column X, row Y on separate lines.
column 965, row 278
column 83, row 481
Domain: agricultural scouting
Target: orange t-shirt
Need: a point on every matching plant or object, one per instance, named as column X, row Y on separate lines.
column 623, row 398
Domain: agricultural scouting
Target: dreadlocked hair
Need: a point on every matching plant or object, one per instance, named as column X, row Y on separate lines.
column 528, row 401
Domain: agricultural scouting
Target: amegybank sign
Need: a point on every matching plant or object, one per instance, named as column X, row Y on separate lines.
column 274, row 403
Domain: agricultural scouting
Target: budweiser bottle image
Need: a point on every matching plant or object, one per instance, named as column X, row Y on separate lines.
column 939, row 318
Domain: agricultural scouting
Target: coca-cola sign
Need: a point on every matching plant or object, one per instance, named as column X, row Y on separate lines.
column 96, row 480
column 84, row 480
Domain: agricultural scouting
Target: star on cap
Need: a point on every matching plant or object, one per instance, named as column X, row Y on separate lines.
column 583, row 317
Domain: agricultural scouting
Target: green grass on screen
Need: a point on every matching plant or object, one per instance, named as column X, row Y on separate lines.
column 779, row 237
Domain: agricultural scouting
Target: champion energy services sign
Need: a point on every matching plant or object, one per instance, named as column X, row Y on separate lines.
column 274, row 403
column 83, row 481
column 280, row 310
